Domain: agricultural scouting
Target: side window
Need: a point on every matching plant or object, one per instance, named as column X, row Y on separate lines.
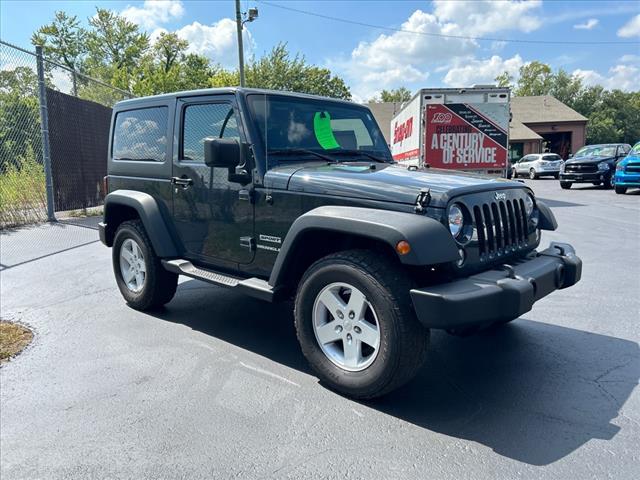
column 140, row 135
column 200, row 121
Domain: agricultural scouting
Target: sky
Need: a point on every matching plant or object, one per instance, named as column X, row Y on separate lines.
column 392, row 43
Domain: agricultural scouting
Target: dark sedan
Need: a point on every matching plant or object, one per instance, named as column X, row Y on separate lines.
column 594, row 164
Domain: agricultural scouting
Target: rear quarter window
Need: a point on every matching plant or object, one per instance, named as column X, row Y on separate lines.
column 140, row 135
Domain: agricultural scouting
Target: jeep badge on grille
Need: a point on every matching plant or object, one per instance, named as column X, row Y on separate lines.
column 500, row 196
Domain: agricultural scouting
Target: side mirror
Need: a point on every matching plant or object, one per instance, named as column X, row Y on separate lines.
column 221, row 152
column 570, row 155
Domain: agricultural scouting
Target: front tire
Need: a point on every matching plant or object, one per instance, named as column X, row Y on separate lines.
column 141, row 278
column 532, row 174
column 514, row 173
column 356, row 325
column 565, row 185
column 610, row 183
column 620, row 190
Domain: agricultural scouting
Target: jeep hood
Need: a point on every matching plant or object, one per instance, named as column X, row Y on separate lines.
column 382, row 182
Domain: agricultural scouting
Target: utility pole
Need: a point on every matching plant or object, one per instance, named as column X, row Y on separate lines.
column 240, row 46
column 251, row 16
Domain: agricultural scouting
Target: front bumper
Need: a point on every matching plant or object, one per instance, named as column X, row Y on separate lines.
column 498, row 295
column 623, row 179
column 584, row 177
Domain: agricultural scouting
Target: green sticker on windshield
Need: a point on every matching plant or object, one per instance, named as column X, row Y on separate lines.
column 323, row 132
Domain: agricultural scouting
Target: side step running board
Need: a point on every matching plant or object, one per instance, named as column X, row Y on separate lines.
column 255, row 287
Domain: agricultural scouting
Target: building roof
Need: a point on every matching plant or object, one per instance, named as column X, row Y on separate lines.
column 384, row 112
column 542, row 109
column 520, row 132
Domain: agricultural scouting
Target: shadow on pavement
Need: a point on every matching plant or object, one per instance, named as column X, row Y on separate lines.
column 533, row 392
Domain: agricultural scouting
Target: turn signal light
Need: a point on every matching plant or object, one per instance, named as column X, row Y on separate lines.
column 403, row 247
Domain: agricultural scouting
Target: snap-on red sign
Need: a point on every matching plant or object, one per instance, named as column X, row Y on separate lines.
column 457, row 136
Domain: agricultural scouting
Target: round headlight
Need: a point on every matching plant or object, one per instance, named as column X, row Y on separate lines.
column 456, row 220
column 603, row 166
column 528, row 205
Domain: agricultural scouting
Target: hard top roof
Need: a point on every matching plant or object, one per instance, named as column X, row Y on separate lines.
column 227, row 90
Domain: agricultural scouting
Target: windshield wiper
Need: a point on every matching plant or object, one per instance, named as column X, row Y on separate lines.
column 359, row 152
column 301, row 151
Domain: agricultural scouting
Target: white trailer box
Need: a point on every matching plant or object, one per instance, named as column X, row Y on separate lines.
column 454, row 128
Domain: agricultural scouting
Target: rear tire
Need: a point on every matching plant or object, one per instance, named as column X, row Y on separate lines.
column 147, row 284
column 620, row 190
column 384, row 288
column 532, row 174
column 565, row 185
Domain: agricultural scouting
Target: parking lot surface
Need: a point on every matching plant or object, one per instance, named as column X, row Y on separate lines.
column 215, row 385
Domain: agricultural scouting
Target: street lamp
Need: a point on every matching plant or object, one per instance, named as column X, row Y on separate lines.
column 250, row 16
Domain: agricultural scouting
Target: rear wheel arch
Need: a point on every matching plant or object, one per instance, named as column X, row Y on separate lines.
column 124, row 205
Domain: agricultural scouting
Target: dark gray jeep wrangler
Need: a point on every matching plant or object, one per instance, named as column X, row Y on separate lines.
column 285, row 196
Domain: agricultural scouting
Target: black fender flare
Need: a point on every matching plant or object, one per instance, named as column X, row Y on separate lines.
column 148, row 211
column 547, row 218
column 431, row 242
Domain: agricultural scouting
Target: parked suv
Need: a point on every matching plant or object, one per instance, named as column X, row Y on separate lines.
column 628, row 171
column 286, row 196
column 538, row 165
column 594, row 164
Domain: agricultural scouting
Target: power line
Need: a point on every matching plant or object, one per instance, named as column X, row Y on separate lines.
column 442, row 35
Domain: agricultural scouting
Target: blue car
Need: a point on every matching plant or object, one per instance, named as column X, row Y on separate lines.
column 628, row 171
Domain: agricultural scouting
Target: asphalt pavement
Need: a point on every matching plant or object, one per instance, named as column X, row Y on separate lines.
column 215, row 385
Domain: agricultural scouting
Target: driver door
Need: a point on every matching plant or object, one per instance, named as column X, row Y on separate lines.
column 213, row 216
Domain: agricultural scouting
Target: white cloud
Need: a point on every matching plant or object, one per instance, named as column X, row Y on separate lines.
column 588, row 25
column 154, row 12
column 622, row 77
column 218, row 41
column 476, row 18
column 401, row 57
column 630, row 58
column 631, row 28
column 468, row 72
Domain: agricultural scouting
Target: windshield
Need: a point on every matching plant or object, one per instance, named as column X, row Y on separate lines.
column 597, row 151
column 551, row 158
column 302, row 129
column 635, row 150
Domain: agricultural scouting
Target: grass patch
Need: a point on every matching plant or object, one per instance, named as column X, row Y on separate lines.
column 13, row 339
column 22, row 192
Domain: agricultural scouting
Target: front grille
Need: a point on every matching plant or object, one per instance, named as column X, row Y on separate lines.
column 501, row 226
column 632, row 168
column 589, row 168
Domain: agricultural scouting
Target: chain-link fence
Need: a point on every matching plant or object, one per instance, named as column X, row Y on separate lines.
column 54, row 127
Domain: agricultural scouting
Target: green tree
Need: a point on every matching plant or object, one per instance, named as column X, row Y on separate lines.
column 63, row 41
column 19, row 114
column 116, row 48
column 278, row 70
column 505, row 79
column 401, row 94
column 535, row 79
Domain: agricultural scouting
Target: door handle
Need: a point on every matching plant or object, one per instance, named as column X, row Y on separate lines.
column 182, row 181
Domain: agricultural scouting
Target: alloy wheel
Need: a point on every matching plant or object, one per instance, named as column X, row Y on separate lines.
column 132, row 266
column 346, row 326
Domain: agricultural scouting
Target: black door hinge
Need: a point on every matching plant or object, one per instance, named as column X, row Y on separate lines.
column 248, row 242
